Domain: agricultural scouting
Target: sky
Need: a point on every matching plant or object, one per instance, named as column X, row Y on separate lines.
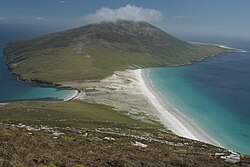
column 217, row 18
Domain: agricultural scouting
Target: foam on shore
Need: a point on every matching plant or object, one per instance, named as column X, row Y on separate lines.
column 171, row 118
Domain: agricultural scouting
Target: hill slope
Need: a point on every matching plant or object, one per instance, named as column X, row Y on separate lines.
column 82, row 134
column 94, row 51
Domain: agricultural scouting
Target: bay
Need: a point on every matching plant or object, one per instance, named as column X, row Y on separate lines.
column 214, row 93
column 11, row 89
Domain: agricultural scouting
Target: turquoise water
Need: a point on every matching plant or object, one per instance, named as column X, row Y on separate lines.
column 13, row 90
column 215, row 94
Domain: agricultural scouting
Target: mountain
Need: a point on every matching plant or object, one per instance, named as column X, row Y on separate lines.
column 94, row 51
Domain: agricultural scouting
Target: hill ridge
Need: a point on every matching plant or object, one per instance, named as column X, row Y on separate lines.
column 95, row 51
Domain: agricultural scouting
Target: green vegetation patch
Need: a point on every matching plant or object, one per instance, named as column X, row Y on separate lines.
column 72, row 113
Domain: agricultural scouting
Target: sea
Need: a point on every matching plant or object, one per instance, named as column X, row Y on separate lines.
column 11, row 89
column 214, row 94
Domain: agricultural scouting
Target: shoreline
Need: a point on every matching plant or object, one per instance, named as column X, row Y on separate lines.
column 221, row 46
column 38, row 83
column 172, row 119
column 72, row 96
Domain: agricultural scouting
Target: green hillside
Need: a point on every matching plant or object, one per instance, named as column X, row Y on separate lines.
column 94, row 51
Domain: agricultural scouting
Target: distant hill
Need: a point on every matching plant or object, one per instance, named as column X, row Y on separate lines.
column 94, row 51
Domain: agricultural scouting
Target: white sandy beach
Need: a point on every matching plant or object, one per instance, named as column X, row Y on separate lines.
column 172, row 119
column 131, row 91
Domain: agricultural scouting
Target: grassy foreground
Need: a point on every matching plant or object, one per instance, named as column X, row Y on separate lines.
column 71, row 113
column 79, row 134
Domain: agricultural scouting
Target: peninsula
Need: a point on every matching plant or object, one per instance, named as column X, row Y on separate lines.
column 95, row 51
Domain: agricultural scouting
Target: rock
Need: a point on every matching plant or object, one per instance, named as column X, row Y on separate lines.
column 219, row 154
column 85, row 135
column 231, row 159
column 234, row 157
column 29, row 128
column 109, row 138
column 139, row 144
column 57, row 133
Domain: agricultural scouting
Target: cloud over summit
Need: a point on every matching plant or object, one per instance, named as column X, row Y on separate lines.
column 128, row 12
column 3, row 18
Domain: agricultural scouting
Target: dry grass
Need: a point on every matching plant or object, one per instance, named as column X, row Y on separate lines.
column 81, row 139
column 20, row 147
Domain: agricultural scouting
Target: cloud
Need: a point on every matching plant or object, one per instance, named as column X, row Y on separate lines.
column 3, row 18
column 41, row 18
column 184, row 17
column 128, row 12
column 21, row 19
column 62, row 2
